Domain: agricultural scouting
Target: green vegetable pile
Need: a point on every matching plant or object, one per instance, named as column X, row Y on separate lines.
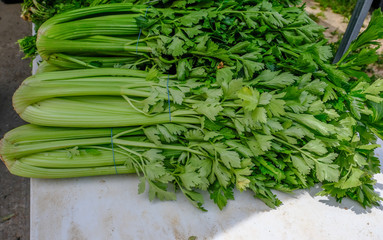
column 215, row 96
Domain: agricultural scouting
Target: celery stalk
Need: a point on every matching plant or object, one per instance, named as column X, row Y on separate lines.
column 45, row 152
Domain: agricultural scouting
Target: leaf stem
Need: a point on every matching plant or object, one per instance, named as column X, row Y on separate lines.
column 296, row 148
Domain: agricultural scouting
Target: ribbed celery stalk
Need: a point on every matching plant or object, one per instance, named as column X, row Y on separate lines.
column 91, row 98
column 45, row 152
column 67, row 62
column 122, row 8
column 103, row 31
column 97, row 112
column 97, row 31
column 24, row 170
column 110, row 25
column 32, row 151
column 45, row 67
column 86, row 73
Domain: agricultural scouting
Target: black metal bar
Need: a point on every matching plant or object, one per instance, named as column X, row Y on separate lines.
column 358, row 16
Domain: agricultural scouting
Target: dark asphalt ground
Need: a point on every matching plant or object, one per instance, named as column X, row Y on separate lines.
column 14, row 191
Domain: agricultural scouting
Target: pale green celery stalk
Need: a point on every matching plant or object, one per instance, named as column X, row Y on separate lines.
column 149, row 145
column 70, row 62
column 72, row 31
column 24, row 170
column 48, row 67
column 88, row 157
column 92, row 101
column 57, row 31
column 46, row 47
column 30, row 139
column 82, row 73
column 11, row 148
column 109, row 25
column 51, row 153
column 124, row 39
column 32, row 133
column 83, row 103
column 81, row 32
column 91, row 11
column 10, row 152
column 81, row 92
column 115, row 80
column 65, row 113
column 35, row 91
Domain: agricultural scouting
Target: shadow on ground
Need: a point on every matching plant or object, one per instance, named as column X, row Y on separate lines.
column 14, row 191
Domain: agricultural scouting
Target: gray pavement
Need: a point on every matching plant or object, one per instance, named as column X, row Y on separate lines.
column 14, row 191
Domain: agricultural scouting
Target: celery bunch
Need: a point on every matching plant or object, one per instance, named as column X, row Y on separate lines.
column 103, row 98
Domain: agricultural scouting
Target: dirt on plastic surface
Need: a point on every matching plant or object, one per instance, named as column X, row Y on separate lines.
column 14, row 191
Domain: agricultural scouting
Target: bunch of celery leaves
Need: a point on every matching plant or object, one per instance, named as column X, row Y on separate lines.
column 201, row 96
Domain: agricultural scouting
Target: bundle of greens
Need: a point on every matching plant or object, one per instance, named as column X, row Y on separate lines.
column 105, row 98
column 39, row 11
column 232, row 94
column 171, row 35
column 41, row 152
